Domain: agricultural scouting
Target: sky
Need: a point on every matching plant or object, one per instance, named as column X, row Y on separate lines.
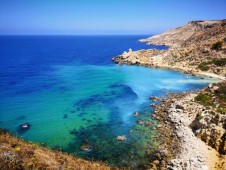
column 96, row 17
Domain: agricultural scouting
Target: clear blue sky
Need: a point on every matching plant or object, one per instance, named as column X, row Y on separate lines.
column 103, row 16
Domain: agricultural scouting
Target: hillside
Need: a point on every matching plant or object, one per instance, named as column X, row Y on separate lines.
column 18, row 154
column 176, row 37
column 198, row 47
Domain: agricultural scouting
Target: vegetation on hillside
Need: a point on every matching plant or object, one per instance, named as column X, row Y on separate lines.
column 205, row 66
column 215, row 97
column 18, row 154
column 204, row 99
column 217, row 46
column 210, row 124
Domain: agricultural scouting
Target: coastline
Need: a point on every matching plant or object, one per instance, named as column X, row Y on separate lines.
column 175, row 115
column 188, row 151
column 132, row 58
column 183, row 147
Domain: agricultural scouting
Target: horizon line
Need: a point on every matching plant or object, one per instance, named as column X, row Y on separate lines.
column 71, row 34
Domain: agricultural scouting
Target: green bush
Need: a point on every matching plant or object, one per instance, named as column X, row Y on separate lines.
column 221, row 93
column 217, row 46
column 204, row 99
column 203, row 67
column 199, row 116
column 221, row 110
column 219, row 62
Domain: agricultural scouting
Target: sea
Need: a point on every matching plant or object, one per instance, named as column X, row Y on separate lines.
column 74, row 97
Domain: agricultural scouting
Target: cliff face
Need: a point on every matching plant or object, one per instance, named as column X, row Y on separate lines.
column 18, row 154
column 197, row 47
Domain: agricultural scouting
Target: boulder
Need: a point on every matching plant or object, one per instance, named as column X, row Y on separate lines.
column 23, row 128
column 121, row 138
column 140, row 122
column 86, row 147
column 179, row 107
column 136, row 114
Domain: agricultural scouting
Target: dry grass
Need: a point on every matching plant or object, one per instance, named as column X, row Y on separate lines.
column 18, row 154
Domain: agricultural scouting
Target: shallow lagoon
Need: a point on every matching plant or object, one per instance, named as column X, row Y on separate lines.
column 69, row 104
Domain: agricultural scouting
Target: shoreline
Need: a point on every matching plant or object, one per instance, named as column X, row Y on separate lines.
column 183, row 148
column 121, row 59
column 189, row 152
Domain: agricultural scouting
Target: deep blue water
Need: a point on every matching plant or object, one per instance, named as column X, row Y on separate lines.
column 23, row 56
column 72, row 94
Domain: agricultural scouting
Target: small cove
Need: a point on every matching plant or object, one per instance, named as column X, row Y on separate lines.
column 71, row 94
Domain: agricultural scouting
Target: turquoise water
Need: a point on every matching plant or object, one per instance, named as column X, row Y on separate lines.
column 75, row 103
column 88, row 97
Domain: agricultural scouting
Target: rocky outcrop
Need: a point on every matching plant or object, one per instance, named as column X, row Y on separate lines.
column 210, row 123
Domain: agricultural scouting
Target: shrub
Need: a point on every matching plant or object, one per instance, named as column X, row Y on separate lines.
column 221, row 110
column 203, row 67
column 217, row 46
column 219, row 62
column 221, row 93
column 199, row 116
column 204, row 99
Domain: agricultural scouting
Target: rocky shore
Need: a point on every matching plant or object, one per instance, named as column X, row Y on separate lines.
column 192, row 125
column 189, row 149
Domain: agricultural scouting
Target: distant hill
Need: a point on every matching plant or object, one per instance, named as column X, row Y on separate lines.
column 186, row 33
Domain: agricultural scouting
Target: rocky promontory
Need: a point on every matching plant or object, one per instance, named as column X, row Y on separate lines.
column 198, row 47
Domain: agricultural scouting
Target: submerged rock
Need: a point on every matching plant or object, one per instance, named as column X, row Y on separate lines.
column 154, row 98
column 140, row 122
column 65, row 116
column 86, row 147
column 148, row 123
column 136, row 114
column 24, row 127
column 121, row 138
